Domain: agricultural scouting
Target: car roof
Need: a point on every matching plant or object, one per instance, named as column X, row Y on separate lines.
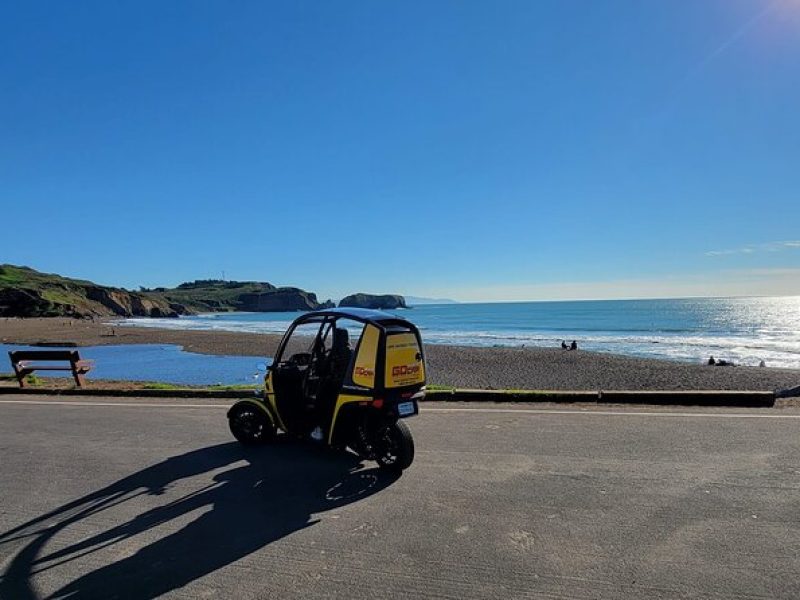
column 360, row 314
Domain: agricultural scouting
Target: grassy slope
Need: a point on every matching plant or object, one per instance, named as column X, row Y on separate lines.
column 199, row 296
column 53, row 288
column 203, row 296
column 12, row 276
column 213, row 295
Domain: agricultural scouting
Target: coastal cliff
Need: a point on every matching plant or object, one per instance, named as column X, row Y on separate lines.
column 282, row 299
column 132, row 304
column 25, row 292
column 381, row 302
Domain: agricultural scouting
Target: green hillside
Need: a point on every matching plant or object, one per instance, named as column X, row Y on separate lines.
column 25, row 292
column 211, row 295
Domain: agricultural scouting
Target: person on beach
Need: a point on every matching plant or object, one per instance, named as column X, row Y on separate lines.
column 573, row 345
column 564, row 345
column 711, row 360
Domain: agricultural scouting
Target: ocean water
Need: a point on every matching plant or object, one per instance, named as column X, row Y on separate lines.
column 160, row 362
column 745, row 330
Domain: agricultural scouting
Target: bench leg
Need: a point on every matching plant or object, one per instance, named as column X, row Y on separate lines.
column 21, row 374
column 78, row 375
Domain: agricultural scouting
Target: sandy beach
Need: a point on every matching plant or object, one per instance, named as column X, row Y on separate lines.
column 485, row 368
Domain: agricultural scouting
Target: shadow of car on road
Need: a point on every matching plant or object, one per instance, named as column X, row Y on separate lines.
column 255, row 497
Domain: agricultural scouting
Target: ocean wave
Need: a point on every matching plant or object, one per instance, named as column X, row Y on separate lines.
column 775, row 345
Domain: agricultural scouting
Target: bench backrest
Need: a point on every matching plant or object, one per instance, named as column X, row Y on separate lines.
column 18, row 355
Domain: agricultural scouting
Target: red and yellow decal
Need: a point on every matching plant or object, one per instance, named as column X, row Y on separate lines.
column 364, row 369
column 404, row 364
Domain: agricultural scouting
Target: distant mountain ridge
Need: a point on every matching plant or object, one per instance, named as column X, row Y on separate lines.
column 418, row 300
column 25, row 292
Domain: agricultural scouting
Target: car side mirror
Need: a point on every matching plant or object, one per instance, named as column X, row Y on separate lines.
column 262, row 367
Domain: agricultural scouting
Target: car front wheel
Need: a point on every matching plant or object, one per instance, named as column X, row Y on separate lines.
column 250, row 426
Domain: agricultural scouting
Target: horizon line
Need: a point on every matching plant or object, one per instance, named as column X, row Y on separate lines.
column 625, row 299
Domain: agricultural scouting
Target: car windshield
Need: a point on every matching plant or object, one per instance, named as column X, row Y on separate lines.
column 301, row 340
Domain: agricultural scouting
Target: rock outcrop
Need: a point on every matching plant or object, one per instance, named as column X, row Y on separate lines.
column 134, row 304
column 381, row 302
column 29, row 303
column 280, row 300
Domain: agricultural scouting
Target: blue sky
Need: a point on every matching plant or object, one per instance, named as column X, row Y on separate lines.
column 474, row 150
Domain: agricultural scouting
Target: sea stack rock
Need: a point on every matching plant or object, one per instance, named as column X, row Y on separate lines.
column 382, row 302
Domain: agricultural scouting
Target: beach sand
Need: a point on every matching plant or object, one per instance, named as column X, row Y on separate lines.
column 464, row 367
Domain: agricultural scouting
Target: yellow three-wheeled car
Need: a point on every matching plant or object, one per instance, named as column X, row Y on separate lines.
column 344, row 377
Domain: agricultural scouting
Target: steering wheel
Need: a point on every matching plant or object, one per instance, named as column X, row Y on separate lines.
column 301, row 359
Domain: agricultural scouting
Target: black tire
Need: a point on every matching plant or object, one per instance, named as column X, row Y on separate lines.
column 394, row 447
column 250, row 426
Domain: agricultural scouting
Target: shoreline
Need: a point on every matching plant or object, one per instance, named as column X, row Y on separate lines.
column 456, row 366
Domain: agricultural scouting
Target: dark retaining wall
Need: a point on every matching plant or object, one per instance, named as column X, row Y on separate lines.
column 682, row 398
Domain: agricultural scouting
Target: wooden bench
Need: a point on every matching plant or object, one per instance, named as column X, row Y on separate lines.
column 26, row 362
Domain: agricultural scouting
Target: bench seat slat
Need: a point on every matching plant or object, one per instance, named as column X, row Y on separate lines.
column 31, row 365
column 20, row 355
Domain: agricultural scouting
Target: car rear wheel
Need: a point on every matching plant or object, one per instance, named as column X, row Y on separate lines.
column 394, row 448
column 250, row 425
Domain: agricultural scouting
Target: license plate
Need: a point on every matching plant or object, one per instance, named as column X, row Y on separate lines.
column 406, row 408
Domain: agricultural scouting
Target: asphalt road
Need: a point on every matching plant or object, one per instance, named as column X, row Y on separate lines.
column 127, row 498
